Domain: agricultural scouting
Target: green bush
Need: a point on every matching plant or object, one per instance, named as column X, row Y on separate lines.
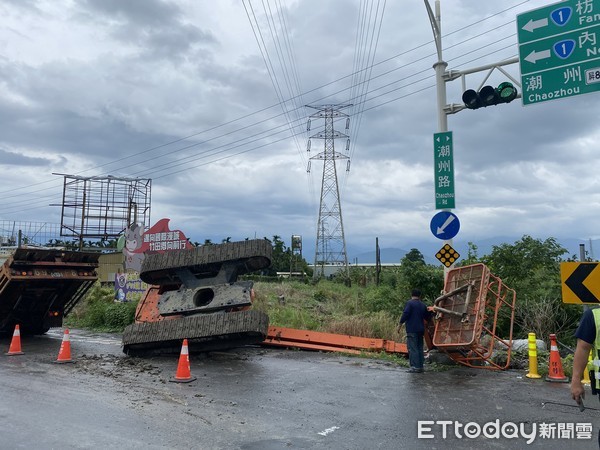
column 320, row 295
column 98, row 311
column 94, row 315
column 383, row 299
column 119, row 315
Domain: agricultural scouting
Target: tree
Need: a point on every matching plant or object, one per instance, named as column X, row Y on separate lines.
column 472, row 256
column 282, row 257
column 414, row 256
column 414, row 273
column 362, row 276
column 517, row 264
column 69, row 245
column 532, row 268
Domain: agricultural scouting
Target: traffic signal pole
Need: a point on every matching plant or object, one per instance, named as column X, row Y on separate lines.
column 440, row 82
column 442, row 76
column 439, row 66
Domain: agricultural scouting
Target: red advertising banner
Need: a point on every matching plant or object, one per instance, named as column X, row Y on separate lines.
column 136, row 243
column 159, row 238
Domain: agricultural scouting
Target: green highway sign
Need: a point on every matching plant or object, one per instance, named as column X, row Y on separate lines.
column 443, row 160
column 554, row 19
column 559, row 50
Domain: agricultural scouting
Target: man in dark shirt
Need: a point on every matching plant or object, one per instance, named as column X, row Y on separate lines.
column 414, row 315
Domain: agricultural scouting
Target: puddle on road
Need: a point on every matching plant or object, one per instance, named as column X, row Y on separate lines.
column 84, row 336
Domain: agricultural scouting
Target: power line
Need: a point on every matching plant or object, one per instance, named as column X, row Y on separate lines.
column 120, row 160
column 229, row 146
column 235, row 131
column 362, row 99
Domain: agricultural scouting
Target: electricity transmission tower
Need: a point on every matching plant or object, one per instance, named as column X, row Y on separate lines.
column 330, row 248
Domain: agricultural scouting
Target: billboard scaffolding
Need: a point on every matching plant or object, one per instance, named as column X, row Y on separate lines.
column 103, row 207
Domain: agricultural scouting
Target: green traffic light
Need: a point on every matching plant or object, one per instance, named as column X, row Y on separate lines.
column 507, row 92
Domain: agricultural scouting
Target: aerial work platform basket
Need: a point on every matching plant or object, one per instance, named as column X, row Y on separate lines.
column 475, row 308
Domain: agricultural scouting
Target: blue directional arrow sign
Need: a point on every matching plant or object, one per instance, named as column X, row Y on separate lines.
column 445, row 225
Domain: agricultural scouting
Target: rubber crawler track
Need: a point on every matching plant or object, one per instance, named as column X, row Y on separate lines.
column 205, row 332
column 249, row 256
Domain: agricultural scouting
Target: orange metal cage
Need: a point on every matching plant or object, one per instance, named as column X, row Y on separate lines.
column 469, row 316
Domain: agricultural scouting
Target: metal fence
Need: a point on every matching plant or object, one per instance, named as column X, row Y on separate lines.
column 14, row 232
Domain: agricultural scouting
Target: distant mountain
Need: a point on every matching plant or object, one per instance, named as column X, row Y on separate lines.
column 484, row 247
column 388, row 256
column 592, row 247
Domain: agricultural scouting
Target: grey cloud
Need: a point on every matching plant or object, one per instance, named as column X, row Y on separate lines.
column 138, row 12
column 167, row 43
column 158, row 28
column 24, row 6
column 16, row 159
column 68, row 134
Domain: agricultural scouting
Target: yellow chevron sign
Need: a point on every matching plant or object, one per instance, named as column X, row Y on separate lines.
column 580, row 282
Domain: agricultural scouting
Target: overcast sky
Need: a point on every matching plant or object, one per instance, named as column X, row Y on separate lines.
column 181, row 92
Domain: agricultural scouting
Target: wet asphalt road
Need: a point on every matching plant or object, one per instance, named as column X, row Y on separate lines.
column 259, row 398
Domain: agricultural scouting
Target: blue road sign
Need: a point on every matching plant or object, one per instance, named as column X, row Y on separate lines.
column 444, row 225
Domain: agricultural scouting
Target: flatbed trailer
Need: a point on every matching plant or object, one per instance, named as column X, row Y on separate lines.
column 40, row 286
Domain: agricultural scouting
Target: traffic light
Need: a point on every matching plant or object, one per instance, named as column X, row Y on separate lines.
column 489, row 96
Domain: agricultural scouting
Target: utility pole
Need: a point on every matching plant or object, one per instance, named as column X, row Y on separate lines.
column 472, row 99
column 330, row 248
column 440, row 82
column 440, row 65
column 296, row 254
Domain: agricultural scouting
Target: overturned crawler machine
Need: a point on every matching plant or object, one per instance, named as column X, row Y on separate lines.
column 195, row 294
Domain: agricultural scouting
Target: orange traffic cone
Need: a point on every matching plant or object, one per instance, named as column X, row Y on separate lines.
column 555, row 370
column 64, row 354
column 183, row 374
column 15, row 344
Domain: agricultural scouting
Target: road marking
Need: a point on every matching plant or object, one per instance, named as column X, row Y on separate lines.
column 328, row 430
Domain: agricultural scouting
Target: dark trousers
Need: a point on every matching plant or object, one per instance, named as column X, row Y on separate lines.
column 415, row 350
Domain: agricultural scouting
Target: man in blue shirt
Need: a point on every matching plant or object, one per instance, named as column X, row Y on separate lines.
column 414, row 315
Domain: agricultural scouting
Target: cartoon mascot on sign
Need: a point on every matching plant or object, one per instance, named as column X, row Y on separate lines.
column 132, row 247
